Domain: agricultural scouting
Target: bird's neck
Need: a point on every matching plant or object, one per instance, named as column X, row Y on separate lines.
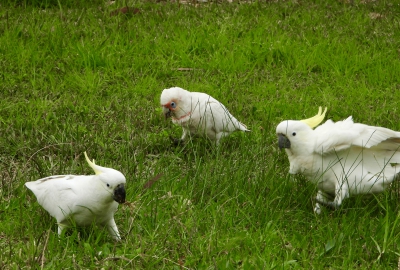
column 182, row 117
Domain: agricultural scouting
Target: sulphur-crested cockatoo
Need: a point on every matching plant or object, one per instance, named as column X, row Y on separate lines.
column 342, row 158
column 199, row 114
column 82, row 199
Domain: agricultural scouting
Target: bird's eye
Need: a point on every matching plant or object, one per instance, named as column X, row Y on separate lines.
column 173, row 104
column 108, row 185
column 294, row 133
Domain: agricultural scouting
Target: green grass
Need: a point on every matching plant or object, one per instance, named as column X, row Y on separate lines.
column 74, row 79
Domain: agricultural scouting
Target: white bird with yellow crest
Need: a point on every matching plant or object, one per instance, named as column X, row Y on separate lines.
column 343, row 158
column 82, row 199
column 199, row 114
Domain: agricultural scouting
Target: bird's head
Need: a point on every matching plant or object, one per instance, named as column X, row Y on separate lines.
column 112, row 180
column 297, row 135
column 175, row 102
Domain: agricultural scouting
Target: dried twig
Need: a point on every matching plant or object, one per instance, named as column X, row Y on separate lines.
column 48, row 146
column 149, row 183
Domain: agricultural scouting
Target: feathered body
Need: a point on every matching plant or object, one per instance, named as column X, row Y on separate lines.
column 199, row 114
column 82, row 199
column 342, row 158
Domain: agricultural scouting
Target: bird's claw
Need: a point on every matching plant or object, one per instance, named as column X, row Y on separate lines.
column 175, row 141
column 328, row 204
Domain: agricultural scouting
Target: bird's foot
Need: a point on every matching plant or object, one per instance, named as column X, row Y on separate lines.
column 175, row 141
column 331, row 205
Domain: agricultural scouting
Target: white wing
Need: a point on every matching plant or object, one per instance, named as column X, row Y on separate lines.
column 344, row 134
column 217, row 114
column 58, row 194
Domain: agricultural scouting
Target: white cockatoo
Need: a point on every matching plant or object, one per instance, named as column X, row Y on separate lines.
column 83, row 199
column 199, row 114
column 343, row 158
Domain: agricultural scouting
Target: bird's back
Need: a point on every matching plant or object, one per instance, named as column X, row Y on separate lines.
column 215, row 113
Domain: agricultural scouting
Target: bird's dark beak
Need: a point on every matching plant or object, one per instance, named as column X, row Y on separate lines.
column 119, row 194
column 167, row 112
column 283, row 141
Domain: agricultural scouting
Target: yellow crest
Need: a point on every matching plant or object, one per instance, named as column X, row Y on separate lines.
column 316, row 120
column 92, row 164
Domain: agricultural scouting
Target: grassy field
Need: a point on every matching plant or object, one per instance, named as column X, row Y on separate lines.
column 74, row 79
